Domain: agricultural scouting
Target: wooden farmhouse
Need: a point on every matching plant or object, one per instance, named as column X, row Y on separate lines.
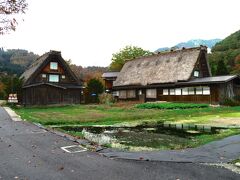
column 109, row 78
column 49, row 80
column 181, row 76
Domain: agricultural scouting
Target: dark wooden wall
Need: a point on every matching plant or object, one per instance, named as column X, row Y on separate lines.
column 201, row 66
column 47, row 95
column 213, row 98
column 108, row 84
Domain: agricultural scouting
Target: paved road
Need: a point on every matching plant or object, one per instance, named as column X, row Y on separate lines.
column 27, row 152
column 223, row 151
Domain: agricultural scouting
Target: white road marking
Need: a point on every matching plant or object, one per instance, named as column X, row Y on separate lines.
column 65, row 148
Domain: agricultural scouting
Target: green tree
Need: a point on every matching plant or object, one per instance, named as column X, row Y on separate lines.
column 127, row 53
column 227, row 50
column 236, row 69
column 221, row 68
column 94, row 88
column 8, row 9
column 11, row 84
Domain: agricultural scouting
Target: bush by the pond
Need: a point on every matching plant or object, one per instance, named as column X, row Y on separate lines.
column 170, row 105
column 106, row 98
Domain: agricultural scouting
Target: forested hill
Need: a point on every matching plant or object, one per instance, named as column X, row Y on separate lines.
column 227, row 53
column 15, row 61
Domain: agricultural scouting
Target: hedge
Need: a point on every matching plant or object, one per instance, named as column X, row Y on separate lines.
column 170, row 105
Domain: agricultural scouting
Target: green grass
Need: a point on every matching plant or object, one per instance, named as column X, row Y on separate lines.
column 73, row 133
column 170, row 106
column 108, row 115
column 206, row 138
column 236, row 161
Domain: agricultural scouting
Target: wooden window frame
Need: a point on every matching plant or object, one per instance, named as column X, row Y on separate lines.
column 177, row 90
column 151, row 95
column 131, row 94
column 52, row 67
column 208, row 90
column 165, row 92
column 196, row 75
column 122, row 96
column 198, row 92
column 185, row 91
column 190, row 92
column 53, row 75
column 172, row 92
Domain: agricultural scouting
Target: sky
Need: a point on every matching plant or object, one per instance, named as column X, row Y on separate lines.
column 89, row 31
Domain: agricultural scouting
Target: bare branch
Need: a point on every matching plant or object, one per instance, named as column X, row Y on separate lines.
column 8, row 8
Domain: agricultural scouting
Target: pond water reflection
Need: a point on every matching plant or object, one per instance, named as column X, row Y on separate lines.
column 156, row 137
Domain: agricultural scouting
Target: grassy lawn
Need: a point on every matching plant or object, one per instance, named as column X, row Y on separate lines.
column 111, row 115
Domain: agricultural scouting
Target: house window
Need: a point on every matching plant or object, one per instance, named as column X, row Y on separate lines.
column 206, row 90
column 63, row 76
column 131, row 94
column 53, row 78
column 44, row 75
column 165, row 91
column 123, row 94
column 196, row 74
column 172, row 91
column 53, row 65
column 191, row 91
column 115, row 93
column 185, row 91
column 178, row 91
column 199, row 90
column 151, row 93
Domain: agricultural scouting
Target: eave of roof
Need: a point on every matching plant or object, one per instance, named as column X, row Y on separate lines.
column 197, row 81
column 213, row 79
column 110, row 74
column 54, row 85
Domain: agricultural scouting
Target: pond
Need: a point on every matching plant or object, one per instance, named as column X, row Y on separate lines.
column 141, row 137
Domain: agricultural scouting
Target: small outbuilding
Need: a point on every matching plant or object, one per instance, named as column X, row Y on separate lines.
column 49, row 80
column 109, row 78
column 177, row 76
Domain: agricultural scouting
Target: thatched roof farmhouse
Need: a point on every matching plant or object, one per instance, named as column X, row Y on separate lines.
column 49, row 80
column 181, row 75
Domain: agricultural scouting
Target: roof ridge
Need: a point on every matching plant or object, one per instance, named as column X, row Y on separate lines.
column 170, row 52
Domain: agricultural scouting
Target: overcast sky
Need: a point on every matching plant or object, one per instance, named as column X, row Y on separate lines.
column 89, row 31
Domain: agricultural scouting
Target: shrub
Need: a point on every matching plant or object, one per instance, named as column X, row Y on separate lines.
column 230, row 102
column 106, row 98
column 170, row 105
column 237, row 98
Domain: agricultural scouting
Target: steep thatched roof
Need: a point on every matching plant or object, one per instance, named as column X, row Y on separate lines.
column 34, row 66
column 166, row 67
column 41, row 62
